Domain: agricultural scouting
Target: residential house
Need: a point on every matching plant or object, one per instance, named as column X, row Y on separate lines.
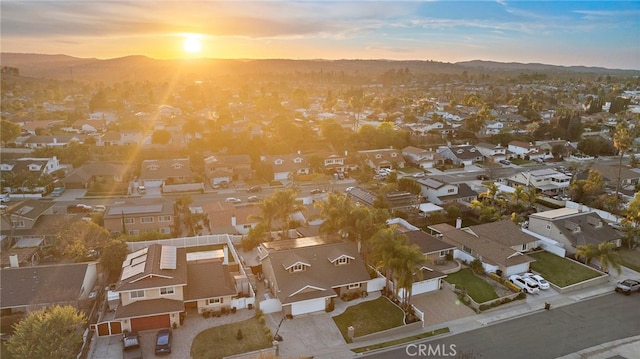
column 97, row 173
column 286, row 167
column 492, row 128
column 511, row 235
column 306, row 274
column 50, row 141
column 158, row 173
column 336, row 163
column 433, row 249
column 439, row 192
column 227, row 218
column 89, row 126
column 397, row 200
column 382, row 158
column 133, row 219
column 160, row 282
column 548, row 147
column 20, row 219
column 489, row 150
column 420, row 157
column 629, row 176
column 546, row 180
column 227, row 168
column 573, row 228
column 461, row 154
column 110, row 138
column 28, row 288
column 35, row 173
column 523, row 149
column 495, row 257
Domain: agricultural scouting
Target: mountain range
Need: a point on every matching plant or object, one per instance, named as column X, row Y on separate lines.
column 141, row 68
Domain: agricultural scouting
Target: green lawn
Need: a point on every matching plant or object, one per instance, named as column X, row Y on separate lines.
column 401, row 340
column 630, row 259
column 559, row 270
column 370, row 317
column 476, row 287
column 219, row 342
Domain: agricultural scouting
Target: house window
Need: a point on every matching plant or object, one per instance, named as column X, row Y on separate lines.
column 146, row 220
column 342, row 260
column 18, row 224
column 136, row 294
column 451, row 190
column 164, row 218
column 524, row 247
column 466, row 249
column 297, row 267
column 129, row 220
column 353, row 286
column 443, row 253
column 134, row 232
column 548, row 227
column 165, row 230
column 215, row 301
column 167, row 291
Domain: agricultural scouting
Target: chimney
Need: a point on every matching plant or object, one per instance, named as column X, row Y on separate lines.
column 13, row 260
column 233, row 220
column 458, row 223
column 225, row 261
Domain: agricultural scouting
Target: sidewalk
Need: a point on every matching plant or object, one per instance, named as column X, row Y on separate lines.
column 533, row 304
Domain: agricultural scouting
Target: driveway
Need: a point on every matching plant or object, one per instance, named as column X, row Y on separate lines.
column 440, row 306
column 111, row 347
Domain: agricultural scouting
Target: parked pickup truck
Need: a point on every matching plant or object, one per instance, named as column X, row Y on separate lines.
column 627, row 286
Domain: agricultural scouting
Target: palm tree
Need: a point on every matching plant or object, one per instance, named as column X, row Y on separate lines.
column 267, row 215
column 518, row 194
column 531, row 194
column 286, row 205
column 586, row 252
column 412, row 260
column 385, row 244
column 622, row 141
column 336, row 212
column 608, row 257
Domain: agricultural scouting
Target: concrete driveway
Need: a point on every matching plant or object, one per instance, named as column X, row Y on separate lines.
column 440, row 306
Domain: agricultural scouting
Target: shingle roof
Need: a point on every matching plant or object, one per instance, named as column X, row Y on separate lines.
column 152, row 276
column 142, row 308
column 20, row 287
column 427, row 243
column 503, row 232
column 319, row 279
column 208, row 279
column 586, row 228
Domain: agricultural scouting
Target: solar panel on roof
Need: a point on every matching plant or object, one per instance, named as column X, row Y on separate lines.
column 168, row 257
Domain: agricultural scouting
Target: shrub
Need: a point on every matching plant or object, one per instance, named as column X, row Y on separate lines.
column 239, row 334
column 330, row 307
column 261, row 319
column 476, row 267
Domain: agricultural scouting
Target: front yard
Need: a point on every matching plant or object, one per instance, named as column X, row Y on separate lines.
column 222, row 341
column 630, row 258
column 559, row 270
column 370, row 317
column 476, row 287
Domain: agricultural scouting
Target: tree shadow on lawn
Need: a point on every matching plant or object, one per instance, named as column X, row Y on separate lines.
column 370, row 317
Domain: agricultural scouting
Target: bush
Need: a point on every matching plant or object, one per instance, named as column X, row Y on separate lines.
column 239, row 335
column 476, row 267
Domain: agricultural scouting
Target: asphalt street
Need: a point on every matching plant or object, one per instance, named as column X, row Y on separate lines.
column 547, row 334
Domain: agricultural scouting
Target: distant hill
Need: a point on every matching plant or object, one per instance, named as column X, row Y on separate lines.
column 141, row 68
column 517, row 66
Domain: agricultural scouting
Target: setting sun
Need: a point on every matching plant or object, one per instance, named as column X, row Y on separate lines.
column 192, row 45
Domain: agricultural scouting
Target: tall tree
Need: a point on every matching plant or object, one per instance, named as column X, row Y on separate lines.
column 586, row 252
column 412, row 260
column 622, row 141
column 9, row 131
column 285, row 206
column 53, row 333
column 608, row 257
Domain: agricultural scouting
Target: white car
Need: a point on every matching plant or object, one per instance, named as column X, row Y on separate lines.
column 418, row 175
column 348, row 189
column 233, row 200
column 527, row 285
column 542, row 283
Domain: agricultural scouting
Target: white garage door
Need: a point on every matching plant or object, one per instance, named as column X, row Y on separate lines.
column 308, row 306
column 424, row 287
column 151, row 183
column 517, row 269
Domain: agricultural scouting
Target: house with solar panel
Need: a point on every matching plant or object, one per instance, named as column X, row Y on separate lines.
column 160, row 284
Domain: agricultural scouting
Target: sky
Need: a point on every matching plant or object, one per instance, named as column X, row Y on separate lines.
column 589, row 33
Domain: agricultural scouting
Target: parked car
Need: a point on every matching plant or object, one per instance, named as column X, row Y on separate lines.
column 505, row 162
column 163, row 341
column 418, row 175
column 254, row 189
column 527, row 285
column 482, row 177
column 627, row 286
column 233, row 200
column 99, row 208
column 142, row 189
column 316, row 191
column 5, row 198
column 348, row 189
column 131, row 346
column 79, row 208
column 254, row 199
column 542, row 283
